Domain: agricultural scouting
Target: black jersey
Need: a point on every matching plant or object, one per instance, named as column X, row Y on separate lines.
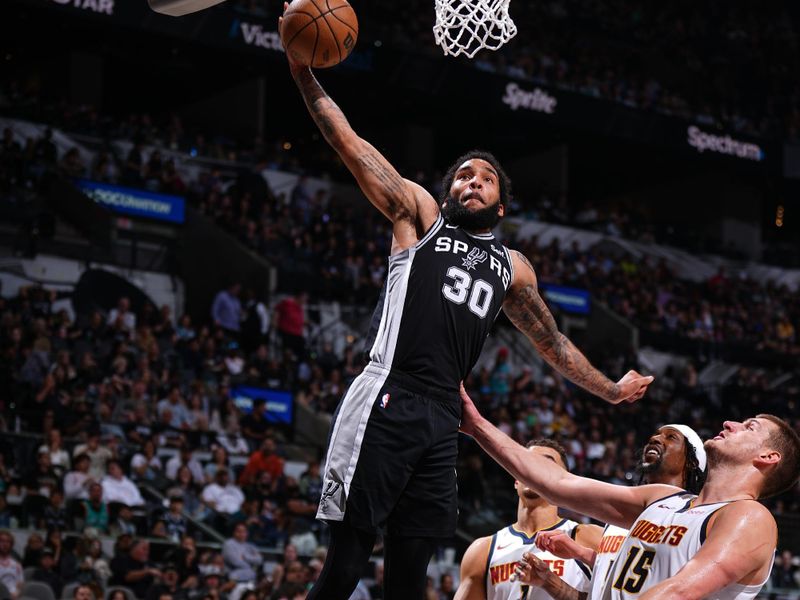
column 438, row 304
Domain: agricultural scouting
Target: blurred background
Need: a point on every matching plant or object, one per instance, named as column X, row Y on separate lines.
column 187, row 270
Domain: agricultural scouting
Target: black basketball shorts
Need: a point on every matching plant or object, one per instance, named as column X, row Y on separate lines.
column 391, row 457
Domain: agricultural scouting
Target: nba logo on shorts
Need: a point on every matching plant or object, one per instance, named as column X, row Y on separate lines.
column 385, row 400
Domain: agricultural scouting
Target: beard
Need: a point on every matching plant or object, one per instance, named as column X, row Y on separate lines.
column 472, row 220
column 652, row 467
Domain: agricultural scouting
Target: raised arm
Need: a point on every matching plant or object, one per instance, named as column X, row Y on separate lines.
column 526, row 309
column 615, row 504
column 406, row 204
column 739, row 548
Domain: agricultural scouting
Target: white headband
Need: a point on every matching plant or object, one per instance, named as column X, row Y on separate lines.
column 694, row 441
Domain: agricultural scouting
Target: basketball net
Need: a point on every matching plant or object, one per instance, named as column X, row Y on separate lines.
column 467, row 26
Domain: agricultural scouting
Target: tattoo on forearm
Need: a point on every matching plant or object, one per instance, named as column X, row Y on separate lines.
column 530, row 314
column 331, row 122
column 393, row 186
column 328, row 117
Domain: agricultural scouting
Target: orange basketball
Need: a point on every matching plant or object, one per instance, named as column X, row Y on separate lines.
column 319, row 33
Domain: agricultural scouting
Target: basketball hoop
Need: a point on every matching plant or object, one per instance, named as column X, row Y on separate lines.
column 467, row 26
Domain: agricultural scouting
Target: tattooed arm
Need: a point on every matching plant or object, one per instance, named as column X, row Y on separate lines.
column 526, row 309
column 408, row 205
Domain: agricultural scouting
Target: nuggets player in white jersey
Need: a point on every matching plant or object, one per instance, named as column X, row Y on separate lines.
column 673, row 455
column 717, row 545
column 489, row 562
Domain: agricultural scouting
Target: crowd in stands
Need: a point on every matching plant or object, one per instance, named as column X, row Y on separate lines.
column 92, row 400
column 726, row 67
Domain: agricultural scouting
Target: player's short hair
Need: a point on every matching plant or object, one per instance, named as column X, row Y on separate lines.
column 548, row 443
column 503, row 179
column 785, row 440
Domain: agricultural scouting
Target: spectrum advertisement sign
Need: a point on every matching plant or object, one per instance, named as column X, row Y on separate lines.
column 133, row 202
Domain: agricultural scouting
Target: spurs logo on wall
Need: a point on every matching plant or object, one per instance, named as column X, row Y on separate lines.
column 105, row 7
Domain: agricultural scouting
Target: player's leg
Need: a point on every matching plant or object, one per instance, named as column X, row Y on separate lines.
column 427, row 512
column 406, row 566
column 348, row 555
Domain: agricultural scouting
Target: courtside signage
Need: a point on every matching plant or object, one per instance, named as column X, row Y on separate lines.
column 536, row 99
column 137, row 203
column 254, row 34
column 568, row 299
column 703, row 141
column 278, row 404
column 103, row 7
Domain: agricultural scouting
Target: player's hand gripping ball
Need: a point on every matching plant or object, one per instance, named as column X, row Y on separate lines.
column 318, row 33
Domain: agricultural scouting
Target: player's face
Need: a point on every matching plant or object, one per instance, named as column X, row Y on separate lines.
column 476, row 185
column 741, row 442
column 526, row 493
column 665, row 452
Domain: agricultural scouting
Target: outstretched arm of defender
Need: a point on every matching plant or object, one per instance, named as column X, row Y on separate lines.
column 615, row 504
column 739, row 547
column 526, row 309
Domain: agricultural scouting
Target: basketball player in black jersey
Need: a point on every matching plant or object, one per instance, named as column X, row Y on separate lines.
column 391, row 456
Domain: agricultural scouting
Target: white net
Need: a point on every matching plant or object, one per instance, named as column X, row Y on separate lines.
column 467, row 26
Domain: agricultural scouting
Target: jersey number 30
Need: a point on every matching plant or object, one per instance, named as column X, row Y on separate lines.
column 477, row 294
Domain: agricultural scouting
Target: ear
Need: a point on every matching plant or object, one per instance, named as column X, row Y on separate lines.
column 767, row 458
column 501, row 210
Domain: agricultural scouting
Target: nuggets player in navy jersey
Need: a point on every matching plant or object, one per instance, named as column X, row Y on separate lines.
column 390, row 464
column 490, row 562
column 719, row 544
column 673, row 455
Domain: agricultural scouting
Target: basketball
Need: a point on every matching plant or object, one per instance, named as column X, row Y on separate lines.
column 319, row 33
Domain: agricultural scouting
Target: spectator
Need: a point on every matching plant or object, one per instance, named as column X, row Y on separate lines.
column 175, row 524
column 254, row 426
column 785, row 572
column 290, row 323
column 124, row 524
column 187, row 490
column 33, row 549
column 219, row 461
column 46, row 572
column 222, row 496
column 265, row 459
column 77, row 482
column 146, row 465
column 98, row 455
column 95, row 509
column 59, row 458
column 10, row 568
column 185, row 458
column 133, row 569
column 227, row 309
column 121, row 318
column 172, row 411
column 118, row 488
column 83, row 592
column 55, row 513
column 168, row 584
column 241, row 557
